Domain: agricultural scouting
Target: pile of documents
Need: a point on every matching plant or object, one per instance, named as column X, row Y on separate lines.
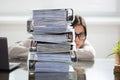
column 50, row 58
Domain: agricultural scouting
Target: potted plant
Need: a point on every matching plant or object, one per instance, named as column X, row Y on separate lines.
column 116, row 52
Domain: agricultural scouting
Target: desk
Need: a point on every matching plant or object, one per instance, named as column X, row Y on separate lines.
column 20, row 73
column 100, row 69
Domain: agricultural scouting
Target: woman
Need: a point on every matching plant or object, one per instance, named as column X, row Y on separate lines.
column 84, row 51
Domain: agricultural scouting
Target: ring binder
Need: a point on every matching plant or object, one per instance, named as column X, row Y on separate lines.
column 53, row 51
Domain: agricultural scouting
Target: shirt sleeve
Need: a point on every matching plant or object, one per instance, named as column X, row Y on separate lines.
column 87, row 52
column 19, row 50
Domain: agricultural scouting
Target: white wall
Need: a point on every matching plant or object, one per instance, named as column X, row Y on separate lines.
column 88, row 7
column 14, row 32
column 103, row 38
column 102, row 17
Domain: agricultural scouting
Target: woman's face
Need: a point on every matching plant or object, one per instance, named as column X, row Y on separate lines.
column 79, row 35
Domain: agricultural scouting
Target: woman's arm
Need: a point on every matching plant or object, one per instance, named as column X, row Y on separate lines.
column 19, row 49
column 87, row 52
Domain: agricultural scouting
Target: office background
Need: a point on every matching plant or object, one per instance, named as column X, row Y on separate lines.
column 102, row 18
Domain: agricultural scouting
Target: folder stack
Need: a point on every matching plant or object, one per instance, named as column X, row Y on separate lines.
column 50, row 59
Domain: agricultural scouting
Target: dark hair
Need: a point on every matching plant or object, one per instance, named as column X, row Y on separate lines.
column 78, row 20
